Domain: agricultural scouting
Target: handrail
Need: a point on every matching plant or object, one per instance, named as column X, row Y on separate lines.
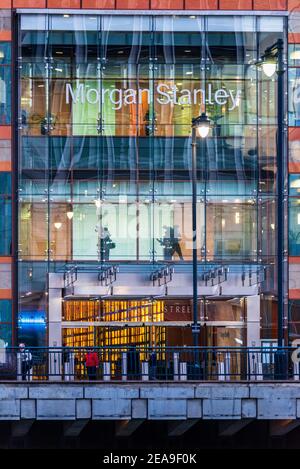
column 144, row 362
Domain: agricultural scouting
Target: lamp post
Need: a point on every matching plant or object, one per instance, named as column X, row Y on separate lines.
column 271, row 62
column 200, row 127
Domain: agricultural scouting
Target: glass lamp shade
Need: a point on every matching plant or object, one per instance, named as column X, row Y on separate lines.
column 202, row 125
column 203, row 131
column 269, row 68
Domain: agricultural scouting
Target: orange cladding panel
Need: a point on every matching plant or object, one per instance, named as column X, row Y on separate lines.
column 101, row 4
column 236, row 5
column 133, row 4
column 5, row 3
column 270, row 4
column 29, row 3
column 167, row 4
column 63, row 4
column 201, row 4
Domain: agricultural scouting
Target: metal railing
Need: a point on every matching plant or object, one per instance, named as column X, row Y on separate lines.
column 144, row 363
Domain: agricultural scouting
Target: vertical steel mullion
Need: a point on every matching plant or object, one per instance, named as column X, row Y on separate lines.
column 257, row 166
column 15, row 154
column 195, row 332
column 205, row 173
column 280, row 190
column 47, row 87
column 286, row 184
column 152, row 136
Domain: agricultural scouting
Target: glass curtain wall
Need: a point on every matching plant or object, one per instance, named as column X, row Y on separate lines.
column 105, row 110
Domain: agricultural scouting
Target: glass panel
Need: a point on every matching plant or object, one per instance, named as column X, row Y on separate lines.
column 5, row 53
column 126, row 23
column 294, row 320
column 33, row 231
column 5, row 311
column 231, row 23
column 231, row 229
column 5, row 335
column 5, row 95
column 5, row 225
column 294, row 184
column 294, row 96
column 294, row 55
column 5, row 183
column 67, row 22
column 231, row 47
column 33, row 22
column 294, row 227
column 270, row 23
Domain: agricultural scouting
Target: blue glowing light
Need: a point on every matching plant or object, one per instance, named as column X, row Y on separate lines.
column 32, row 317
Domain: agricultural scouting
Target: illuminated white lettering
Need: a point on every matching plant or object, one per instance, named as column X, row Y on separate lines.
column 221, row 97
column 78, row 93
column 166, row 95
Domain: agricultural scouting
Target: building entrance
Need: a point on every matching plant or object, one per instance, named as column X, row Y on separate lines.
column 153, row 322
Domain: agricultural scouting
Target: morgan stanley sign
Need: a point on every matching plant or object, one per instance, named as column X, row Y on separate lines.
column 164, row 94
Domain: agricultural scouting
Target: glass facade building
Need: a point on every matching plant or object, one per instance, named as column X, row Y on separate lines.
column 105, row 110
column 101, row 114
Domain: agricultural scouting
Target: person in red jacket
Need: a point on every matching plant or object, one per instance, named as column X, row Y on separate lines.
column 91, row 363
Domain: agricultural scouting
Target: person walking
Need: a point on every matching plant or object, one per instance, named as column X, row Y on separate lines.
column 91, row 363
column 166, row 243
column 171, row 242
column 175, row 240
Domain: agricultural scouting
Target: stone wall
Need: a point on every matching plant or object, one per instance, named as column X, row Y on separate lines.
column 153, row 401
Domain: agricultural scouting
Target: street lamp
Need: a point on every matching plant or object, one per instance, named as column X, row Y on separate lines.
column 271, row 62
column 200, row 127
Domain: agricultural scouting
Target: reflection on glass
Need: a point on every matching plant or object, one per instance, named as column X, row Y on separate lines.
column 105, row 157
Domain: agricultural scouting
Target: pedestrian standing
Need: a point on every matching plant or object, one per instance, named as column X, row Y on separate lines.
column 91, row 363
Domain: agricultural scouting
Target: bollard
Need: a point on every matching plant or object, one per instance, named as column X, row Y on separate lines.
column 296, row 371
column 54, row 365
column 106, row 371
column 69, row 368
column 252, row 366
column 221, row 371
column 2, row 355
column 183, row 371
column 19, row 367
column 255, row 367
column 145, row 371
column 227, row 367
column 259, row 376
column 124, row 366
column 176, row 366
